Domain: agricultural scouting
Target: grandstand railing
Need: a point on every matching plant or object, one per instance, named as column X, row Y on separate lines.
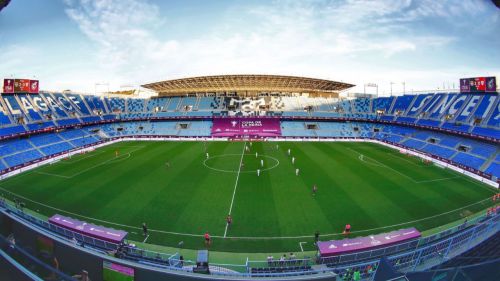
column 414, row 255
column 370, row 118
column 31, row 266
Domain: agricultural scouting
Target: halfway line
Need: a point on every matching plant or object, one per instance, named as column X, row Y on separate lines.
column 235, row 185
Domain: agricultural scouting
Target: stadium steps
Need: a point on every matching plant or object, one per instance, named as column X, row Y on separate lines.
column 486, row 119
column 472, row 114
column 52, row 111
column 178, row 106
column 197, row 103
column 105, row 105
column 21, row 109
column 18, row 151
column 36, row 147
column 84, row 101
column 391, row 108
column 63, row 109
column 86, row 105
column 27, row 117
column 4, row 163
column 6, row 112
column 167, row 105
column 42, row 117
column 125, row 104
column 409, row 106
column 466, row 101
column 454, row 154
column 489, row 160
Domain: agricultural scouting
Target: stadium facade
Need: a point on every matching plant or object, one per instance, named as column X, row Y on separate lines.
column 459, row 131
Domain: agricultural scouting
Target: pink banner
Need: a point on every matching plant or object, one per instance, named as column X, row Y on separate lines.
column 241, row 127
column 339, row 247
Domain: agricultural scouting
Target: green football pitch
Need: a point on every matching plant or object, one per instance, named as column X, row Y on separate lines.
column 181, row 194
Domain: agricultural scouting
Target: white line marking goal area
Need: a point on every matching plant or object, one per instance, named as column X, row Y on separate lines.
column 111, row 160
column 375, row 162
column 302, row 248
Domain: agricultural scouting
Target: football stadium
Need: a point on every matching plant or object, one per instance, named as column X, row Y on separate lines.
column 250, row 177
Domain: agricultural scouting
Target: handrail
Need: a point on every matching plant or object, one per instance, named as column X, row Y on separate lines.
column 475, row 226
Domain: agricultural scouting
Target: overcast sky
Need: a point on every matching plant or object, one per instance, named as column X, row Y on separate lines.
column 74, row 44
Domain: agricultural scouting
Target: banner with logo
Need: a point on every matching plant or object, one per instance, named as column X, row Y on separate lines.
column 478, row 84
column 339, row 247
column 34, row 86
column 241, row 126
column 96, row 231
column 20, row 86
column 8, row 86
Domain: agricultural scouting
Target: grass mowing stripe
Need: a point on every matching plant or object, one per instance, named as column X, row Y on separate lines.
column 382, row 165
column 235, row 185
column 273, row 212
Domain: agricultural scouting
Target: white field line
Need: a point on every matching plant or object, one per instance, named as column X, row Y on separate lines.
column 478, row 183
column 239, row 237
column 277, row 162
column 53, row 175
column 235, row 185
column 117, row 159
column 145, row 239
column 402, row 158
column 441, row 179
column 71, row 161
column 385, row 166
column 361, row 157
column 300, row 244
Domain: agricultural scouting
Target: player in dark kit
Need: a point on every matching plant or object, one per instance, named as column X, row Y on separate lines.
column 316, row 237
column 229, row 220
column 144, row 229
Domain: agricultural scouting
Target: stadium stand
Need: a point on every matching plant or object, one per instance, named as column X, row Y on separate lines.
column 462, row 129
column 474, row 115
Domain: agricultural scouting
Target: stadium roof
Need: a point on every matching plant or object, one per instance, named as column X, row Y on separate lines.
column 247, row 84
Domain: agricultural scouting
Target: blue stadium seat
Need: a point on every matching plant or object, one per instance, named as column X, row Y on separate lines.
column 469, row 160
column 493, row 169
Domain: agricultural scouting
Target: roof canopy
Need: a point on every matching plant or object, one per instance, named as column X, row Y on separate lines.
column 247, row 84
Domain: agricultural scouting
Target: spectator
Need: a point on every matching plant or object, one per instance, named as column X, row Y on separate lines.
column 270, row 260
column 83, row 276
column 356, row 276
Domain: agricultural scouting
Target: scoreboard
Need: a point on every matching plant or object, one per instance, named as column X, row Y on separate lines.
column 14, row 86
column 478, row 84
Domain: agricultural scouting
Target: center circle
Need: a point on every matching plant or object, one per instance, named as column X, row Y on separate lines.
column 229, row 163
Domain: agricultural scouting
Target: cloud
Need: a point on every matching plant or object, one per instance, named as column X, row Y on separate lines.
column 326, row 39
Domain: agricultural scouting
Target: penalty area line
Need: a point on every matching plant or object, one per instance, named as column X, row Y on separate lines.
column 235, row 186
column 145, row 239
column 301, row 248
